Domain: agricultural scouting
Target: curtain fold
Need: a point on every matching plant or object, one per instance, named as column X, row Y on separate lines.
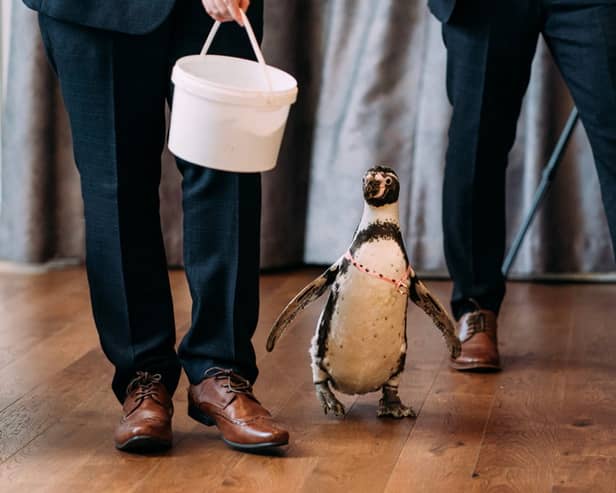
column 40, row 217
column 372, row 91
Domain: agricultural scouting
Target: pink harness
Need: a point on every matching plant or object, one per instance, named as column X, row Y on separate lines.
column 402, row 285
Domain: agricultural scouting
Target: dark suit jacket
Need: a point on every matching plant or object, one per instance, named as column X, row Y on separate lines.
column 442, row 9
column 127, row 16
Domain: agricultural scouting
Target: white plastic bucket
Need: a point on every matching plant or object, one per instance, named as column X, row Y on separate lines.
column 229, row 113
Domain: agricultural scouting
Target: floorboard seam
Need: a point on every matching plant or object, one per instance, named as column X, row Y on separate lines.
column 410, row 433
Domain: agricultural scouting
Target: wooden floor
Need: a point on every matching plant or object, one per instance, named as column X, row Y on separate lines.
column 545, row 424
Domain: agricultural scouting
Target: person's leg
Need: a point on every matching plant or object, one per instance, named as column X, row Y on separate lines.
column 490, row 46
column 222, row 214
column 114, row 88
column 221, row 255
column 582, row 39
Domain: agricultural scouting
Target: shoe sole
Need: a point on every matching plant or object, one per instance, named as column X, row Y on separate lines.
column 144, row 444
column 199, row 416
column 476, row 367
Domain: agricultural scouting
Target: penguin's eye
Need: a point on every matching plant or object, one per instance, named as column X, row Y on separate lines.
column 388, row 181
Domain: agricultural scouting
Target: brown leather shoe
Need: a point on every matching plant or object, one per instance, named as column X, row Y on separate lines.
column 225, row 399
column 477, row 332
column 146, row 424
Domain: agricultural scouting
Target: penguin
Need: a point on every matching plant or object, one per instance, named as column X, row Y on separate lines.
column 360, row 342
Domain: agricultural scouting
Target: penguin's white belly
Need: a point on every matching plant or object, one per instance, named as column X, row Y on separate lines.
column 367, row 329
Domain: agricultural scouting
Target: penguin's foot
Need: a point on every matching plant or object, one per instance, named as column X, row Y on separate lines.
column 390, row 405
column 395, row 410
column 328, row 399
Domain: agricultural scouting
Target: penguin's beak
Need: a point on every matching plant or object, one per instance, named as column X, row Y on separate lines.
column 373, row 188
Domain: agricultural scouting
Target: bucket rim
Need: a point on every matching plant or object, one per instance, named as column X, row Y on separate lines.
column 182, row 77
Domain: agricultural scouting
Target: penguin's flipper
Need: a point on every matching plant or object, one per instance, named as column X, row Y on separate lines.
column 420, row 295
column 306, row 296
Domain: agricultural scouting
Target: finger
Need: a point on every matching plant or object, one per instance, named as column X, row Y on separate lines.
column 212, row 10
column 223, row 10
column 244, row 4
column 217, row 16
column 218, row 10
column 210, row 7
column 234, row 10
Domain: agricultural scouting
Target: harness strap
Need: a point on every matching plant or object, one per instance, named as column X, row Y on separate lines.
column 402, row 284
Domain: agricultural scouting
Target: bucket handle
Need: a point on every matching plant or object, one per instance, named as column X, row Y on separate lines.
column 253, row 42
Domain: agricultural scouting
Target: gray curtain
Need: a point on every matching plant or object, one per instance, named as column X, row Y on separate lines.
column 371, row 77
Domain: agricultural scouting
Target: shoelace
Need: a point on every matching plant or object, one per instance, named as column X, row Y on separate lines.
column 476, row 323
column 144, row 383
column 230, row 380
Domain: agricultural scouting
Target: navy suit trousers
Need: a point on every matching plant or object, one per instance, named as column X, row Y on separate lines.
column 490, row 47
column 115, row 87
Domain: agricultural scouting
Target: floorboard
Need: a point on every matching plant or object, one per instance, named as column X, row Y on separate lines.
column 547, row 423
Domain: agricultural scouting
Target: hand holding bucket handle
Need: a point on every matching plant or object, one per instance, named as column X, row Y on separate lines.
column 253, row 41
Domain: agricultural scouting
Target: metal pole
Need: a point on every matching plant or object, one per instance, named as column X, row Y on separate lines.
column 546, row 179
